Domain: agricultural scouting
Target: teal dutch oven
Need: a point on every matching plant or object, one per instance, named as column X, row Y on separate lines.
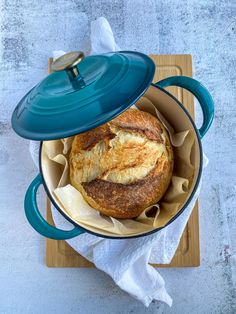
column 85, row 92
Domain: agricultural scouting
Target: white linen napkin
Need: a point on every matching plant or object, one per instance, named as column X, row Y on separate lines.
column 126, row 261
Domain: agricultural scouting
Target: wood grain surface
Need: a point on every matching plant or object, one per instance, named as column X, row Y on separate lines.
column 60, row 254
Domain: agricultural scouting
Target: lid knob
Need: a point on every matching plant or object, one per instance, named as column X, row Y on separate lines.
column 68, row 62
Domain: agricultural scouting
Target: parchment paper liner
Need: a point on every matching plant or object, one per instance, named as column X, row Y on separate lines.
column 57, row 152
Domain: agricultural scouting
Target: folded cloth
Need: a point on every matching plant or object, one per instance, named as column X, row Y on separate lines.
column 126, row 261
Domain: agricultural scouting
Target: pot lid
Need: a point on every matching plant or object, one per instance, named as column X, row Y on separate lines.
column 82, row 93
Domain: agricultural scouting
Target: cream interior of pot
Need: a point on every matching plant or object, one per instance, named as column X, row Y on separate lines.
column 176, row 117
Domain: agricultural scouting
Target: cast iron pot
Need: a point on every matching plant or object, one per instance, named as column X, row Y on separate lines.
column 178, row 117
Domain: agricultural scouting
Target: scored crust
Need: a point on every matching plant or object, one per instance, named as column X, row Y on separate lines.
column 123, row 166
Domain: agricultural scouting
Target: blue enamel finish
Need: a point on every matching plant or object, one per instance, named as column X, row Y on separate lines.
column 38, row 222
column 200, row 92
column 58, row 107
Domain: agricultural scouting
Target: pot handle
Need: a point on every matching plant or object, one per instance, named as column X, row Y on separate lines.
column 199, row 91
column 36, row 219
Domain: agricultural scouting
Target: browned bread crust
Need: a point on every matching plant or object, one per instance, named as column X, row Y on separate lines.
column 123, row 166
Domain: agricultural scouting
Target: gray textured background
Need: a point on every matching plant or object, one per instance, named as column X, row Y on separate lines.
column 29, row 31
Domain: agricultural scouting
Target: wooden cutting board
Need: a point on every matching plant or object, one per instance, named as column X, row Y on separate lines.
column 60, row 254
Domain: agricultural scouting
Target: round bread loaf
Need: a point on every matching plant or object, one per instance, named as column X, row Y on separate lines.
column 123, row 166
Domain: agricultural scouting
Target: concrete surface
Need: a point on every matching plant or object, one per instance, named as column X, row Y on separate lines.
column 29, row 31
